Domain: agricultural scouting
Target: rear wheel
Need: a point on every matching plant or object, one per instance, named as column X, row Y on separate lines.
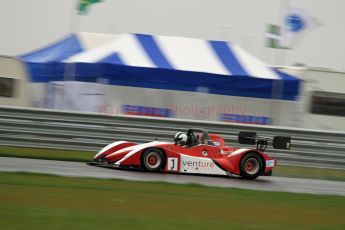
column 153, row 160
column 251, row 166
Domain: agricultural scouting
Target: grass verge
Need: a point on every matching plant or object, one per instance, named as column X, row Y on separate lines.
column 35, row 201
column 84, row 156
column 47, row 154
column 309, row 172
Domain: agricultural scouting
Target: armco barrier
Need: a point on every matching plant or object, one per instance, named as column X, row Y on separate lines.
column 87, row 131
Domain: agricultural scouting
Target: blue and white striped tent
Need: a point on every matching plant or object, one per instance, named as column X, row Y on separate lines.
column 163, row 62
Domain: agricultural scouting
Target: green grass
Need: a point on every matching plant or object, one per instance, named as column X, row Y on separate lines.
column 310, row 173
column 84, row 156
column 35, row 201
column 48, row 154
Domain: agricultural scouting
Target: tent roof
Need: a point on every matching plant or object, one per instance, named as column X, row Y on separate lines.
column 68, row 46
column 178, row 53
column 157, row 59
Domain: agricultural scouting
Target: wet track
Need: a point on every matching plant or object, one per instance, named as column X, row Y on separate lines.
column 75, row 169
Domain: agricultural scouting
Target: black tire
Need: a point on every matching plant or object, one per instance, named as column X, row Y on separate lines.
column 251, row 166
column 153, row 160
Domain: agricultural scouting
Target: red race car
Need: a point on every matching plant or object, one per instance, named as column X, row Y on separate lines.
column 195, row 152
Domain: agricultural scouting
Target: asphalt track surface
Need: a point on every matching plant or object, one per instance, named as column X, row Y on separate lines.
column 75, row 169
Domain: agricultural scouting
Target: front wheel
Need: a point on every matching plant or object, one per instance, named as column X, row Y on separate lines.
column 153, row 160
column 251, row 166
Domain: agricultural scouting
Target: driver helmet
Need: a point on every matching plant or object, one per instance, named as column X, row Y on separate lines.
column 180, row 138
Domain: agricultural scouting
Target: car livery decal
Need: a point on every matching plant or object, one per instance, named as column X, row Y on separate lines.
column 270, row 163
column 114, row 144
column 172, row 164
column 136, row 148
column 202, row 165
column 238, row 151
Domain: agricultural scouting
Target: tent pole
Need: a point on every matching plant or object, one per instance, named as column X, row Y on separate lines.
column 70, row 68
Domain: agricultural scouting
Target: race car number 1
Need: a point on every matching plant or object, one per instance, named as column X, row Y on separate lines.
column 172, row 164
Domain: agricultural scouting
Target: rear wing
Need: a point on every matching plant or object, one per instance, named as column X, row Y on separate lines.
column 250, row 138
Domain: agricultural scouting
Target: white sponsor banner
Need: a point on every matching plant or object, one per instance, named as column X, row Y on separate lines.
column 116, row 100
column 74, row 95
column 198, row 106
